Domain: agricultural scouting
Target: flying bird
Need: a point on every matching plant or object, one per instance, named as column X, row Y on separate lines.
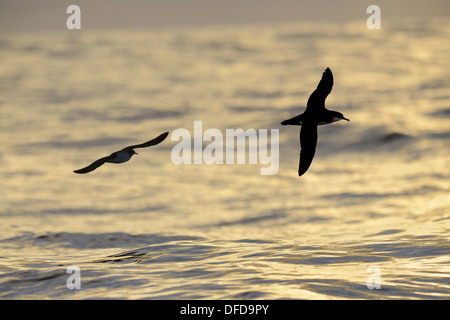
column 122, row 155
column 315, row 114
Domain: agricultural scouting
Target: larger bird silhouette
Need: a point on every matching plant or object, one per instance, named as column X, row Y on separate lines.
column 122, row 155
column 315, row 114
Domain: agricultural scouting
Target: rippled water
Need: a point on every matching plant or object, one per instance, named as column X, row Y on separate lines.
column 375, row 196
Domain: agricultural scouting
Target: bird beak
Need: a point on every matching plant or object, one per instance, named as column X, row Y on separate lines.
column 345, row 118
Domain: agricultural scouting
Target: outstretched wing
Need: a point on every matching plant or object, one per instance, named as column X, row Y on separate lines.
column 308, row 142
column 93, row 165
column 317, row 98
column 152, row 142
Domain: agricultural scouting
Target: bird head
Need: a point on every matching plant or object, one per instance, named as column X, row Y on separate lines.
column 338, row 116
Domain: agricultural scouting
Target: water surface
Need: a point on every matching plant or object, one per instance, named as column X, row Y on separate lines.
column 376, row 194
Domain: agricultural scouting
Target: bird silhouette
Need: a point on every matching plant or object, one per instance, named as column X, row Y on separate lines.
column 122, row 155
column 315, row 114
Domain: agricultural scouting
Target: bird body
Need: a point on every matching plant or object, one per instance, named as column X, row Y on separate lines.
column 122, row 155
column 315, row 114
column 325, row 117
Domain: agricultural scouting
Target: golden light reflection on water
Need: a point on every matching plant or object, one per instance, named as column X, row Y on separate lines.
column 376, row 193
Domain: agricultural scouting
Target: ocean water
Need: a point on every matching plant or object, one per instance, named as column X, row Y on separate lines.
column 374, row 207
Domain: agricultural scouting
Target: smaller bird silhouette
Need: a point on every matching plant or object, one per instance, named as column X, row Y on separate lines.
column 122, row 155
column 315, row 114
